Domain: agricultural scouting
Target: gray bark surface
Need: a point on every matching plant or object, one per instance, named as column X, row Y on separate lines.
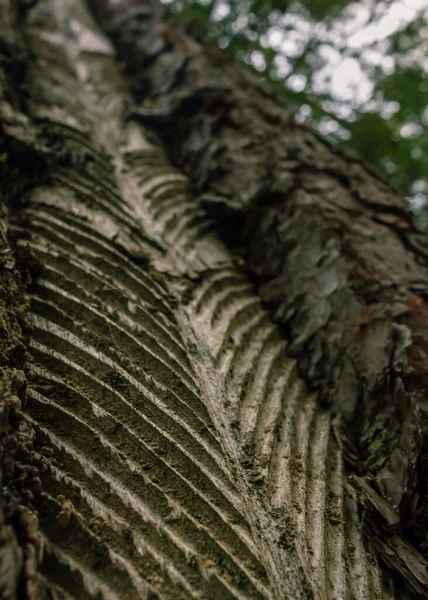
column 175, row 439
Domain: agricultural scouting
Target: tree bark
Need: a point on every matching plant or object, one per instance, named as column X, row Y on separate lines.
column 227, row 357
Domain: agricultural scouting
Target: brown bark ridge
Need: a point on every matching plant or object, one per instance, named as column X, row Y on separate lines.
column 182, row 453
column 20, row 543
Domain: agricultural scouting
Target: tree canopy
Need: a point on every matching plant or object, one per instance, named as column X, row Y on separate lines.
column 356, row 71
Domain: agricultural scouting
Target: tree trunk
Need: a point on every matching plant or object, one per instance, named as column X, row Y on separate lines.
column 222, row 367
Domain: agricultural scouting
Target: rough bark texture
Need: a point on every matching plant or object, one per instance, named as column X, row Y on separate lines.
column 336, row 254
column 20, row 542
column 181, row 452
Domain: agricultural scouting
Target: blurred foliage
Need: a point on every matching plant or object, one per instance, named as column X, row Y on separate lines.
column 356, row 71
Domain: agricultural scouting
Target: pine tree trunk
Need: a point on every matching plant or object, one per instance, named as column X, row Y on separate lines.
column 214, row 330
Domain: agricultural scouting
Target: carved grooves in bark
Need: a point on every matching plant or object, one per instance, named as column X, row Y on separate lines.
column 140, row 453
column 139, row 500
column 283, row 438
column 185, row 456
column 356, row 318
column 287, row 448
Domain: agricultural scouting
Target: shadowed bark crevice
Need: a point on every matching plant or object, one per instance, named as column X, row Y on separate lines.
column 21, row 547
